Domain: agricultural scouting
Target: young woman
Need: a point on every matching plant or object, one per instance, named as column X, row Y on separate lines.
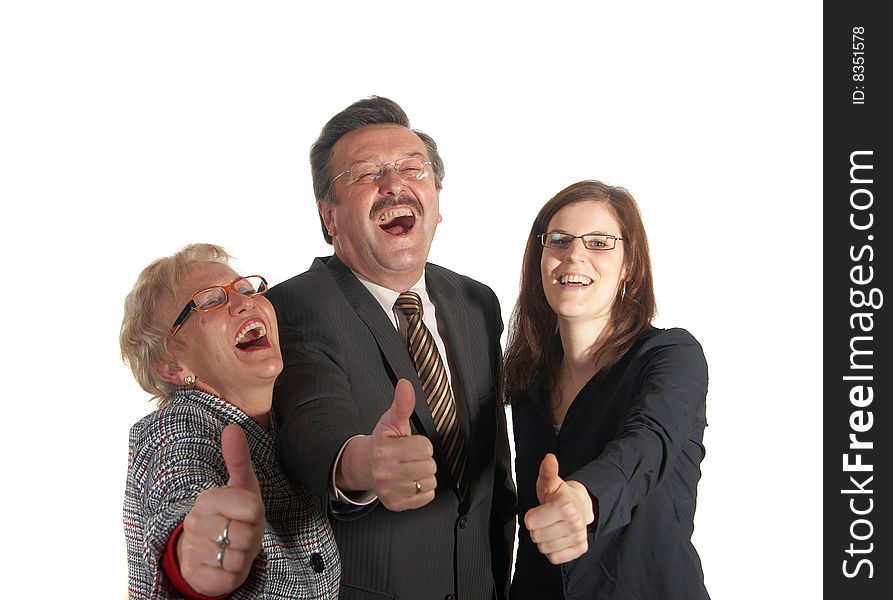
column 608, row 412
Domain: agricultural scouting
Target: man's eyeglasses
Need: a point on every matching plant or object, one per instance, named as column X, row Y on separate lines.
column 409, row 168
column 591, row 241
column 216, row 296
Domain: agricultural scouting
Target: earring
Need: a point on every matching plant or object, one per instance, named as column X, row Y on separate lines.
column 189, row 381
column 623, row 290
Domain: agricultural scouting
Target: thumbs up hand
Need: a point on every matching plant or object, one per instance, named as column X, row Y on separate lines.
column 402, row 467
column 237, row 509
column 394, row 423
column 237, row 456
column 558, row 525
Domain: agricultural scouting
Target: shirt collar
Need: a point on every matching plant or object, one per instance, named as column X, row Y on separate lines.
column 387, row 297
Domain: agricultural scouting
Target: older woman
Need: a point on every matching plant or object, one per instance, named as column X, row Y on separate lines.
column 608, row 412
column 208, row 511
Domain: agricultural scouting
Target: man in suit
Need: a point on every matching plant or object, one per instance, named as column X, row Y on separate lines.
column 417, row 477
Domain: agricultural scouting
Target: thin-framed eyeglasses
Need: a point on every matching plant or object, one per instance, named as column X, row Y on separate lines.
column 216, row 296
column 591, row 241
column 409, row 168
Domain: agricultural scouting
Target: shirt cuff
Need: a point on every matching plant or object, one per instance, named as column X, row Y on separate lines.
column 360, row 498
column 171, row 567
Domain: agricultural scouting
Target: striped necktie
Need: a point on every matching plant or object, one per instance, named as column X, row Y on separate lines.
column 432, row 374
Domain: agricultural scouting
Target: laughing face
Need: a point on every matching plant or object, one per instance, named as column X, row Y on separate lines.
column 580, row 284
column 230, row 350
column 382, row 229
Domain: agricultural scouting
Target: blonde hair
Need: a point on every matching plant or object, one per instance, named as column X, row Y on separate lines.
column 144, row 338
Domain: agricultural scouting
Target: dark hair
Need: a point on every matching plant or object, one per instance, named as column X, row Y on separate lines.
column 534, row 350
column 374, row 110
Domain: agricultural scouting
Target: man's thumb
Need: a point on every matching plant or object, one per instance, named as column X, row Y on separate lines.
column 396, row 418
column 238, row 459
column 548, row 480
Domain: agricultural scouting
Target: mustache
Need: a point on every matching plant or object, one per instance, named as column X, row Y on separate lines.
column 390, row 202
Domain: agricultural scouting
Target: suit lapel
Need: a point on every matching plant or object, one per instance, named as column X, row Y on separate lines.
column 453, row 311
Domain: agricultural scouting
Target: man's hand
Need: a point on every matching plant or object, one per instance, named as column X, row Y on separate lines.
column 558, row 525
column 239, row 508
column 400, row 459
column 393, row 464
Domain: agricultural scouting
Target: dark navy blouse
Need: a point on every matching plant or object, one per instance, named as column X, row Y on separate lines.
column 633, row 439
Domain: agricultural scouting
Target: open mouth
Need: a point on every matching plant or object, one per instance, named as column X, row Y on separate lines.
column 577, row 281
column 396, row 221
column 252, row 336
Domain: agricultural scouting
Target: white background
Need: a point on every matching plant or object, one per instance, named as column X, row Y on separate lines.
column 130, row 129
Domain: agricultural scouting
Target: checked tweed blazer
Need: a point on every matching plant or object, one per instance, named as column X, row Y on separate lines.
column 175, row 455
column 343, row 357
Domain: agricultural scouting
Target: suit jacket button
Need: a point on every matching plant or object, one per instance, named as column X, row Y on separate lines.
column 317, row 562
column 463, row 522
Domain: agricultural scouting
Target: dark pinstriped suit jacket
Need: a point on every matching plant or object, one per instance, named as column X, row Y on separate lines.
column 343, row 357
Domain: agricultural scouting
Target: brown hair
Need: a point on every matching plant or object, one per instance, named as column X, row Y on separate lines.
column 144, row 338
column 534, row 350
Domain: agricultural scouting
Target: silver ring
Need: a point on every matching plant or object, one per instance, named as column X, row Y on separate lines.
column 418, row 486
column 223, row 542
